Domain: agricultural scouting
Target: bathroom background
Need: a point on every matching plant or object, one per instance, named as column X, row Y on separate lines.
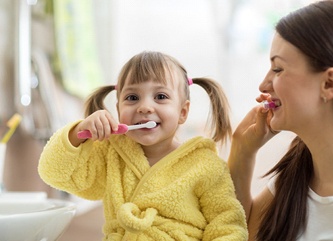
column 54, row 53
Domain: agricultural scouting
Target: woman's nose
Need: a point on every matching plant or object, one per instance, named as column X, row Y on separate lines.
column 266, row 85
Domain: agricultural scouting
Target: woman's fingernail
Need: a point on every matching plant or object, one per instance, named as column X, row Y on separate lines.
column 264, row 110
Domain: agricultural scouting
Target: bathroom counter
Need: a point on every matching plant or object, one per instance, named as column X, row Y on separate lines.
column 85, row 227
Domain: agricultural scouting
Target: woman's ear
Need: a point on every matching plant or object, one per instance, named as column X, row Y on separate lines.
column 328, row 84
column 184, row 112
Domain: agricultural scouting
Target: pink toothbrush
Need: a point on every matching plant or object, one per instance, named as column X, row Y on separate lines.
column 122, row 129
column 269, row 105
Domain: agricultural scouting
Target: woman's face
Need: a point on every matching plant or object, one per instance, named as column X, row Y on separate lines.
column 291, row 81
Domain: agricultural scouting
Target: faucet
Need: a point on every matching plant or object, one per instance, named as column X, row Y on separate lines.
column 23, row 53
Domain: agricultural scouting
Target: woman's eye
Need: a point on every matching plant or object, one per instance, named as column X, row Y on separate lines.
column 276, row 70
column 161, row 96
column 131, row 97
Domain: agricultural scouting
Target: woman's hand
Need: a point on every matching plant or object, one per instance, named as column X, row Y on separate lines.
column 250, row 135
column 254, row 130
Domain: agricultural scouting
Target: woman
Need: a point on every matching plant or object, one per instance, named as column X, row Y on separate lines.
column 297, row 204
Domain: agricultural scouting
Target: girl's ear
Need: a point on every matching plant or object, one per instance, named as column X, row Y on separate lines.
column 328, row 84
column 184, row 112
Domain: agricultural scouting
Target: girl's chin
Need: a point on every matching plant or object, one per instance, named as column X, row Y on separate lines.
column 144, row 141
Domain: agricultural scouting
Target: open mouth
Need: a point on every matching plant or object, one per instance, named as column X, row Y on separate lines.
column 146, row 124
column 277, row 103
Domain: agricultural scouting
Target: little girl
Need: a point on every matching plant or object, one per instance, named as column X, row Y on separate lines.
column 152, row 186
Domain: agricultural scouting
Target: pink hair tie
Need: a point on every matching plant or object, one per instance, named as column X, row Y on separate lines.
column 190, row 81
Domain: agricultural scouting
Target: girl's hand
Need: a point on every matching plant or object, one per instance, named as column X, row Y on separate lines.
column 100, row 124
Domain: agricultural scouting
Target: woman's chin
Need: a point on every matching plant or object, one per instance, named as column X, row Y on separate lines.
column 275, row 125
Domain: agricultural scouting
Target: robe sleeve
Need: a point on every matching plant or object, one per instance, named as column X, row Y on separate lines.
column 226, row 218
column 77, row 170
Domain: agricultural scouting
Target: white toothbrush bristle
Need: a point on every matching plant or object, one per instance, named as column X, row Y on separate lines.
column 150, row 124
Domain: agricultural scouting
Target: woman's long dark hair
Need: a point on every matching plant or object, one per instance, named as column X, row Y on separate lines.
column 310, row 29
column 286, row 215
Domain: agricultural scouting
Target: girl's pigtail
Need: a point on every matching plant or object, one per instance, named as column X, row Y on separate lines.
column 219, row 116
column 96, row 100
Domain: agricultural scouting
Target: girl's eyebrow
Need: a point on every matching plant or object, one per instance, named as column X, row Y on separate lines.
column 156, row 88
column 162, row 87
column 130, row 88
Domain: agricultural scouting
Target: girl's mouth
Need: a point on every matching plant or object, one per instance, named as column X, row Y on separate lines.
column 147, row 124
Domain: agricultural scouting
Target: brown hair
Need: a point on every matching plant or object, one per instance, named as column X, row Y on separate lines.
column 155, row 66
column 310, row 29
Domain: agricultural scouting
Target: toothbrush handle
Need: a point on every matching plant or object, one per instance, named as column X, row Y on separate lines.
column 122, row 129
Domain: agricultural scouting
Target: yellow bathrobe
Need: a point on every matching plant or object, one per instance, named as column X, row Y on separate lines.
column 187, row 195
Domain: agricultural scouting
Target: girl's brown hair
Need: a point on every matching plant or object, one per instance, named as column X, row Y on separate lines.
column 310, row 29
column 158, row 67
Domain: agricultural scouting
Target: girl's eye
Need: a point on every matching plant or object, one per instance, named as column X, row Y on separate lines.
column 161, row 96
column 131, row 97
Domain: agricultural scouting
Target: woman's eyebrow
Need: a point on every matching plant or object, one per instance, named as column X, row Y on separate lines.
column 277, row 56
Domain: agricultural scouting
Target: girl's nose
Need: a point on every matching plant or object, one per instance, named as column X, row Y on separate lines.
column 145, row 107
column 266, row 85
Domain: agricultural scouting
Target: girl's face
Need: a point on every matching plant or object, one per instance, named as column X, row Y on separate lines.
column 291, row 81
column 152, row 101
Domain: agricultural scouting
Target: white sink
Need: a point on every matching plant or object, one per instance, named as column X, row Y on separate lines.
column 23, row 218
